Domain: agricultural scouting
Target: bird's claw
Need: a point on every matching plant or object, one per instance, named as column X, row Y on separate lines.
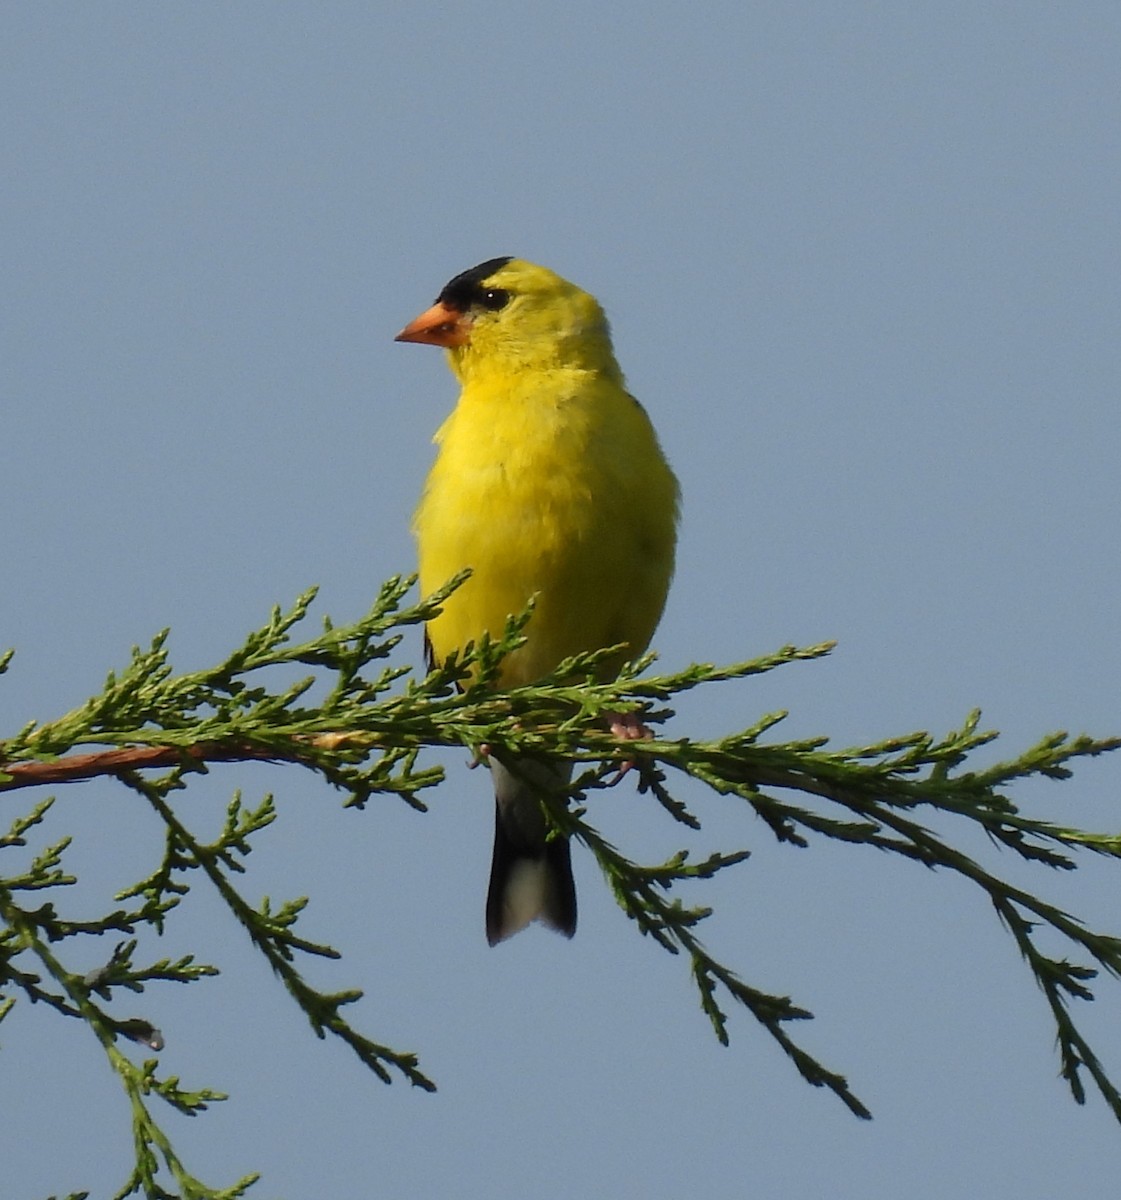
column 482, row 753
column 627, row 727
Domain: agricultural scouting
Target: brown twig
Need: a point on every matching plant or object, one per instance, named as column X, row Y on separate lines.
column 76, row 767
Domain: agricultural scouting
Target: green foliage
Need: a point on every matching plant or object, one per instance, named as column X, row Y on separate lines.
column 154, row 730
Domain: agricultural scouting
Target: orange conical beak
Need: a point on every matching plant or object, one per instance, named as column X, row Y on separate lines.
column 437, row 326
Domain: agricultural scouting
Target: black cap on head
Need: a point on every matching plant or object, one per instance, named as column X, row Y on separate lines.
column 467, row 289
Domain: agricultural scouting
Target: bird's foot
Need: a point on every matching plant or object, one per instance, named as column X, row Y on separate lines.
column 628, row 727
column 482, row 753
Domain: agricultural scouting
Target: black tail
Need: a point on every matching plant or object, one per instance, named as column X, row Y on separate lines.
column 530, row 873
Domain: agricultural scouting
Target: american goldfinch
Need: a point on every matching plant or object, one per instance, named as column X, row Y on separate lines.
column 549, row 483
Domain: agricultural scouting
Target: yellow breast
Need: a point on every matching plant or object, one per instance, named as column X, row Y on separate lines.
column 554, row 486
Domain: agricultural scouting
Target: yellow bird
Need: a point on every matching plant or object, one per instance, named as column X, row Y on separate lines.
column 549, row 483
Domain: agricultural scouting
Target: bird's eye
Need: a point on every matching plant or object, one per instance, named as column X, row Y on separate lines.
column 494, row 298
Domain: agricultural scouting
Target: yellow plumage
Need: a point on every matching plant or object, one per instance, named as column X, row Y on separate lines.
column 549, row 482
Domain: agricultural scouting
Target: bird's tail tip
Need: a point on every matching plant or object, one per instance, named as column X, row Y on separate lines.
column 526, row 888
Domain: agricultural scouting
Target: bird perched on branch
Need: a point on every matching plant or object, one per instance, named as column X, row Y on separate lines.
column 549, row 483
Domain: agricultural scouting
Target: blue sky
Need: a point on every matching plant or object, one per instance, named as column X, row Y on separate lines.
column 861, row 262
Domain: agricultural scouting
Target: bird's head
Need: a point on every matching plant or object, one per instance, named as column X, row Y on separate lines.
column 508, row 314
